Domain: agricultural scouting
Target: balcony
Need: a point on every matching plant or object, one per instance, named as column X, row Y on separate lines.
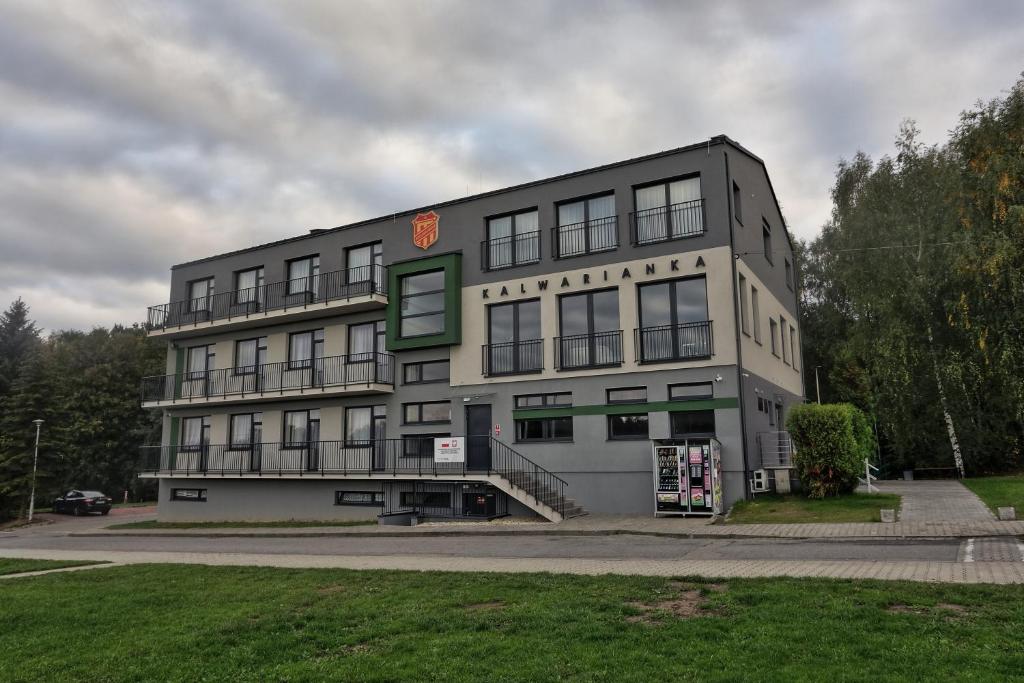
column 513, row 358
column 362, row 373
column 581, row 351
column 666, row 223
column 507, row 252
column 589, row 237
column 341, row 291
column 667, row 343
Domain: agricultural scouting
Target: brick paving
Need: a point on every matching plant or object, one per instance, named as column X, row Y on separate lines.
column 937, row 502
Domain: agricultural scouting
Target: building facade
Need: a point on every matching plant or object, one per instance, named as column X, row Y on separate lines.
column 560, row 328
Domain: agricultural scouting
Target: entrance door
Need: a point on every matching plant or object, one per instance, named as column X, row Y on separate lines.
column 478, row 437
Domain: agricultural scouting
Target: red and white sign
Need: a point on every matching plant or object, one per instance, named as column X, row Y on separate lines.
column 497, row 430
column 424, row 229
column 449, row 449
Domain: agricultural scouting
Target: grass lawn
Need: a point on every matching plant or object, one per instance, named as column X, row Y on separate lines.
column 153, row 524
column 189, row 623
column 999, row 491
column 795, row 509
column 17, row 566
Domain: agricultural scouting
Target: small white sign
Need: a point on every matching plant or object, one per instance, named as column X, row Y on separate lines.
column 449, row 449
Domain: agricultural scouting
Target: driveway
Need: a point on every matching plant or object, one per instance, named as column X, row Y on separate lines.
column 61, row 525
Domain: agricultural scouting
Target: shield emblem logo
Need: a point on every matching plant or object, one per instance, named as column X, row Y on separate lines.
column 424, row 229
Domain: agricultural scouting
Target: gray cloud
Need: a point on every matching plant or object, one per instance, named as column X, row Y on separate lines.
column 137, row 135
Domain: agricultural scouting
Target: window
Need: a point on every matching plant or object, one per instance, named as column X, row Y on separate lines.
column 627, row 427
column 589, row 329
column 301, row 428
column 201, row 360
column 512, row 240
column 789, row 274
column 199, row 294
column 245, row 430
column 691, row 391
column 421, row 304
column 426, row 499
column 627, row 395
column 195, row 433
column 737, row 204
column 365, row 340
column 544, row 429
column 514, row 343
column 364, row 264
column 766, row 239
column 775, row 335
column 782, row 335
column 373, row 498
column 192, row 495
column 744, row 306
column 755, row 307
column 666, row 211
column 249, row 355
column 428, row 412
column 692, row 423
column 304, row 275
column 587, row 226
column 792, row 345
column 560, row 400
column 426, row 372
column 249, row 286
column 365, row 423
column 419, row 445
column 305, row 348
column 674, row 320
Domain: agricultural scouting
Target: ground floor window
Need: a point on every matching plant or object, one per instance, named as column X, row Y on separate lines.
column 358, row 498
column 426, row 499
column 692, row 423
column 195, row 495
column 420, row 445
column 544, row 429
column 626, row 427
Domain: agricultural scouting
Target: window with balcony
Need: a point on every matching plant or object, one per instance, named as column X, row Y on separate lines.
column 674, row 321
column 250, row 354
column 200, row 295
column 245, row 430
column 365, row 424
column 305, row 349
column 420, row 445
column 668, row 211
column 365, row 341
column 421, row 304
column 249, row 285
column 512, row 240
column 364, row 268
column 586, row 226
column 195, row 433
column 514, row 338
column 589, row 330
column 301, row 428
column 304, row 276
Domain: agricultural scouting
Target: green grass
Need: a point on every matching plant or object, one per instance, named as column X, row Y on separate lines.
column 153, row 524
column 999, row 491
column 16, row 566
column 189, row 623
column 795, row 509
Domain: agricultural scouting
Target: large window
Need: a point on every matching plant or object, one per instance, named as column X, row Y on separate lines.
column 421, row 304
column 514, row 338
column 589, row 330
column 304, row 275
column 628, row 427
column 249, row 355
column 365, row 340
column 512, row 240
column 305, row 348
column 245, row 430
column 195, row 433
column 668, row 211
column 426, row 372
column 249, row 285
column 201, row 360
column 365, row 423
column 364, row 264
column 301, row 428
column 430, row 412
column 692, row 423
column 200, row 293
column 674, row 320
column 587, row 226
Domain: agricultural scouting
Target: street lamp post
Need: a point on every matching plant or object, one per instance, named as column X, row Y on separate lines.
column 35, row 464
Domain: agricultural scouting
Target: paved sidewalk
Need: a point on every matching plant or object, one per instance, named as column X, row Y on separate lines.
column 937, row 502
column 934, row 572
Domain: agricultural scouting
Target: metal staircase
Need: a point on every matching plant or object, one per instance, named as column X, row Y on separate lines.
column 529, row 483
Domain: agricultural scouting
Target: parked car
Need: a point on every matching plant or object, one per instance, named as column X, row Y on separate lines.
column 81, row 503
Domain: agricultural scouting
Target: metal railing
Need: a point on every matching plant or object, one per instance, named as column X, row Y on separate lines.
column 687, row 341
column 587, row 237
column 333, row 371
column 369, row 457
column 513, row 358
column 776, row 449
column 599, row 349
column 664, row 223
column 297, row 293
column 506, row 252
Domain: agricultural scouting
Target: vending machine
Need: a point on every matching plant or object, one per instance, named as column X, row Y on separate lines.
column 688, row 477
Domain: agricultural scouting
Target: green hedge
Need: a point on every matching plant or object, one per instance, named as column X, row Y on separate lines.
column 830, row 442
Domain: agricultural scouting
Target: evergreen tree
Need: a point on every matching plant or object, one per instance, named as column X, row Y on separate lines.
column 19, row 336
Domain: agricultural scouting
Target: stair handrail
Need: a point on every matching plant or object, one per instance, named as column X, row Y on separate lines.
column 505, row 460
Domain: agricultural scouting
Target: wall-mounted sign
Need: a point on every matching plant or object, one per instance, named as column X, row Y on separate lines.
column 449, row 449
column 497, row 430
column 424, row 229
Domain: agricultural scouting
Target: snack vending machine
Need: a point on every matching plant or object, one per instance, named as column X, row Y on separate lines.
column 688, row 478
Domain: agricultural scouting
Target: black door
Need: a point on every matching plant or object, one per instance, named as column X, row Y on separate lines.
column 478, row 437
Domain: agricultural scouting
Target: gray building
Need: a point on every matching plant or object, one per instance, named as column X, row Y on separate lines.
column 516, row 352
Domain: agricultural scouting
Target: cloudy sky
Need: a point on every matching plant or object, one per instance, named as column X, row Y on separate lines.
column 136, row 135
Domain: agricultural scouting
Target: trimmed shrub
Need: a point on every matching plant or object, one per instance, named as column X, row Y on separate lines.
column 830, row 442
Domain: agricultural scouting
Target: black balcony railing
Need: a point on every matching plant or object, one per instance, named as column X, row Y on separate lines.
column 364, row 457
column 588, row 237
column 513, row 358
column 506, row 252
column 600, row 349
column 664, row 223
column 254, row 380
column 297, row 293
column 687, row 341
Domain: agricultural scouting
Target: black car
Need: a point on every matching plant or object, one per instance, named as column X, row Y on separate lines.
column 82, row 502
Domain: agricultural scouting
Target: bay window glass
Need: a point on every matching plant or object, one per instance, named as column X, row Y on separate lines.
column 421, row 304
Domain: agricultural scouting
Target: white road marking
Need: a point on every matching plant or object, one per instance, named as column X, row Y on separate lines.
column 969, row 550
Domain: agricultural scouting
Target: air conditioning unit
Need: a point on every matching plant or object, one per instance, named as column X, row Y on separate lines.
column 759, row 484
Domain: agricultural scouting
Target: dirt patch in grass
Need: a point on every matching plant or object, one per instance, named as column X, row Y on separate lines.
column 949, row 610
column 332, row 589
column 484, row 606
column 689, row 602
